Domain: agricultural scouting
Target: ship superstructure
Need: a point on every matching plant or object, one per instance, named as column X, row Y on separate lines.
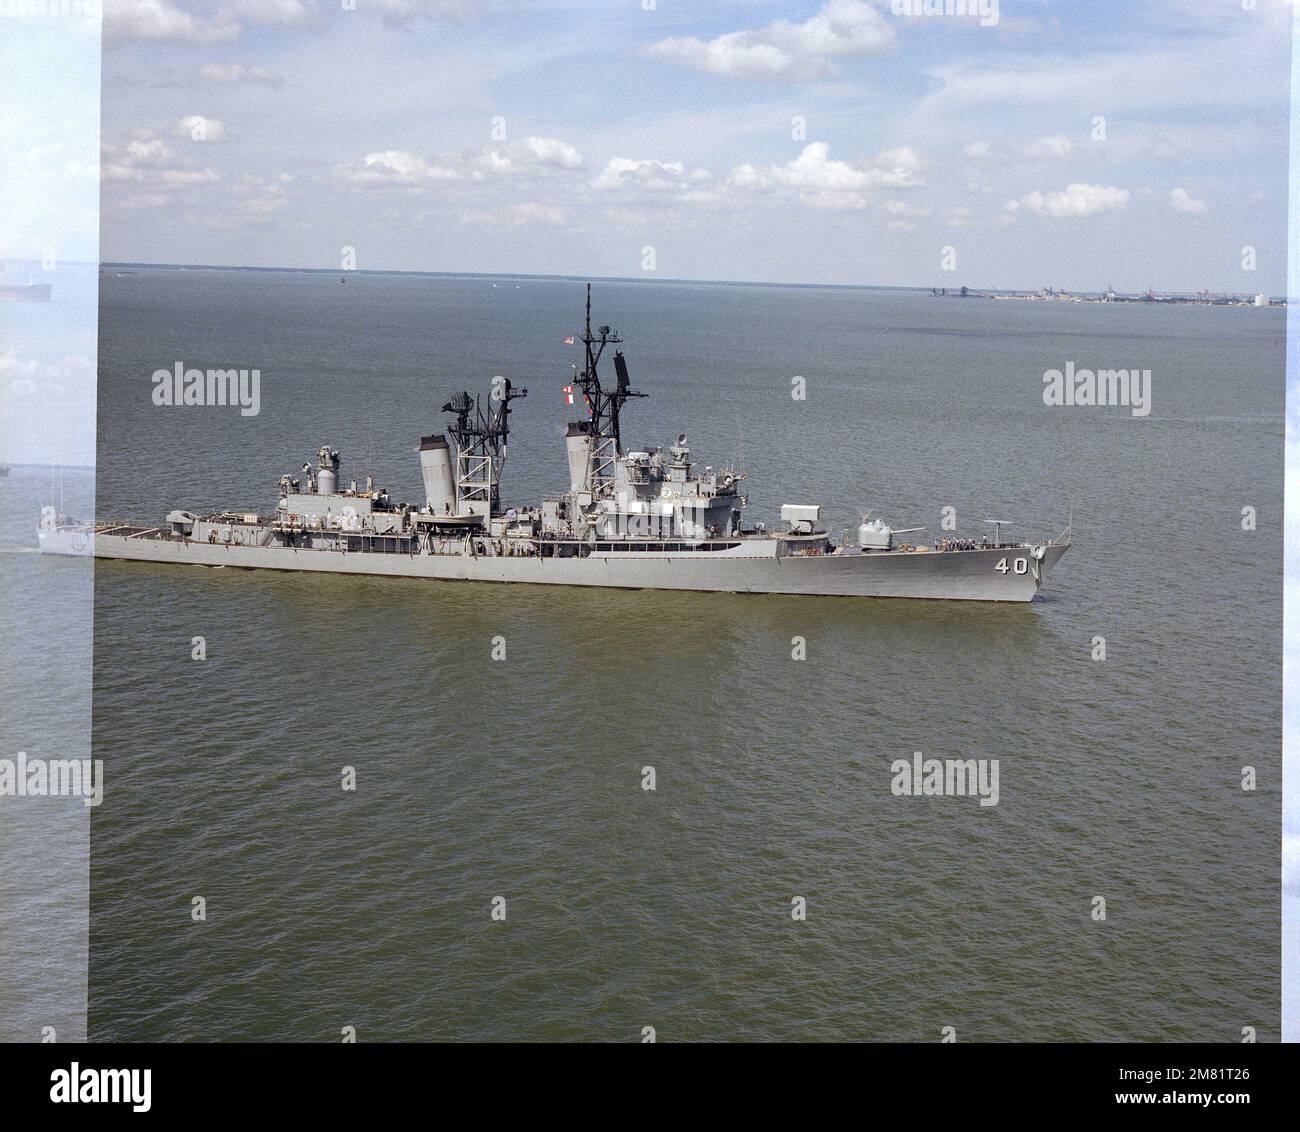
column 643, row 518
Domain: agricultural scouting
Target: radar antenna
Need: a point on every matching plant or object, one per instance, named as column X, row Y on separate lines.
column 998, row 524
column 603, row 406
column 481, row 435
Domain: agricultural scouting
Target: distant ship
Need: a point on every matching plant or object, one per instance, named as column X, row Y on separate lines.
column 641, row 519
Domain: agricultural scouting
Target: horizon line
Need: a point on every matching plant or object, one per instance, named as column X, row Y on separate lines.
column 571, row 277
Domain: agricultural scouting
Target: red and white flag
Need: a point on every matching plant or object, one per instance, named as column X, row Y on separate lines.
column 569, row 340
column 568, row 394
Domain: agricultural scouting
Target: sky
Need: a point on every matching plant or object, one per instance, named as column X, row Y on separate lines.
column 49, row 220
column 1025, row 145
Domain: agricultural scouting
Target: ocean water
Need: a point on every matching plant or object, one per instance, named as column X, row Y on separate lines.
column 47, row 399
column 521, row 778
column 46, row 624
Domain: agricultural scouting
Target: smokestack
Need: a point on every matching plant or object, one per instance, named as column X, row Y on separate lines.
column 435, row 467
column 577, row 440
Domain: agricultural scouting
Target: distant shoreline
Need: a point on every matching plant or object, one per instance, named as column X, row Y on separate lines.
column 514, row 275
column 1012, row 292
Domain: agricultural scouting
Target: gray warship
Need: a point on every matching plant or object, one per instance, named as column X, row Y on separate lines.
column 635, row 519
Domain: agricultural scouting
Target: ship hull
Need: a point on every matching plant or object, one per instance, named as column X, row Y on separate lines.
column 66, row 542
column 958, row 575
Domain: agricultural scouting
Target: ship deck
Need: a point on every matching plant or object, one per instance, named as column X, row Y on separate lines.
column 548, row 546
column 135, row 531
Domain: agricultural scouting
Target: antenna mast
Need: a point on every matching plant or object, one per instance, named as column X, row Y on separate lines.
column 481, row 437
column 603, row 406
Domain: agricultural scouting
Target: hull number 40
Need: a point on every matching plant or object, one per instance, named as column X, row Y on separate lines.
column 1018, row 565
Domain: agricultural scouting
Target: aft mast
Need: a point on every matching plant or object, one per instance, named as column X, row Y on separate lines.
column 481, row 434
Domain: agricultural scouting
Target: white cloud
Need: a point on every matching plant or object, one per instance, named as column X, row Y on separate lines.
column 1183, row 201
column 185, row 21
column 902, row 216
column 259, row 198
column 197, row 128
column 239, row 74
column 549, row 152
column 202, row 21
column 148, row 159
column 785, row 50
column 164, row 20
column 146, row 173
column 813, row 169
column 532, row 157
column 1076, row 200
column 651, row 176
column 823, row 182
column 897, row 168
column 398, row 167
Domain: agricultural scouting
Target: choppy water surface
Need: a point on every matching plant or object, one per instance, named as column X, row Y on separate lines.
column 522, row 778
